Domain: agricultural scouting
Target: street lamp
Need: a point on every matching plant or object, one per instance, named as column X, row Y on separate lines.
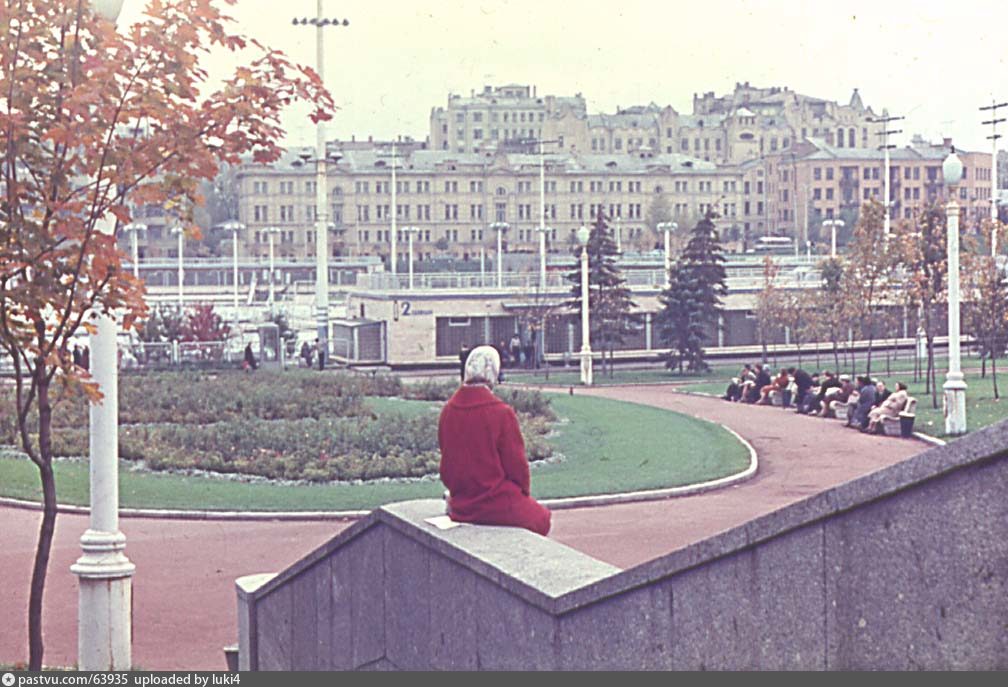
column 409, row 234
column 500, row 228
column 177, row 230
column 321, row 218
column 583, row 234
column 833, row 224
column 955, row 384
column 133, row 228
column 234, row 226
column 542, row 212
column 271, row 232
column 667, row 227
column 105, row 588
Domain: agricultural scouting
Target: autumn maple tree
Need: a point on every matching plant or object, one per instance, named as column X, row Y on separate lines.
column 95, row 122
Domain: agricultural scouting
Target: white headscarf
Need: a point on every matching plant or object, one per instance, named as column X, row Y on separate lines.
column 482, row 366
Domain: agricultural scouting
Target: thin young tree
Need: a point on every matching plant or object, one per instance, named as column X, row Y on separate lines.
column 987, row 316
column 872, row 257
column 769, row 307
column 95, row 122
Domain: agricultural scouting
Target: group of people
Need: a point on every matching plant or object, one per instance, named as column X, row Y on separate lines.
column 310, row 353
column 867, row 400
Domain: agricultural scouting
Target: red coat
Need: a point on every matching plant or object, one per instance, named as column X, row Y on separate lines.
column 483, row 462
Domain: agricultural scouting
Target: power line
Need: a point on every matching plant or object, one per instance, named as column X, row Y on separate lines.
column 885, row 147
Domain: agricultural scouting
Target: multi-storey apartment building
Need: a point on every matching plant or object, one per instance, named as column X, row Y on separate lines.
column 746, row 124
column 495, row 116
column 452, row 199
column 818, row 181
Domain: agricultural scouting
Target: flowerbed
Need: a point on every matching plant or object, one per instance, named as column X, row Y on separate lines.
column 291, row 426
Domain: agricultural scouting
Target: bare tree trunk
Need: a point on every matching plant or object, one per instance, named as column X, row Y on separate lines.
column 36, row 646
column 836, row 356
column 994, row 375
column 983, row 364
column 931, row 374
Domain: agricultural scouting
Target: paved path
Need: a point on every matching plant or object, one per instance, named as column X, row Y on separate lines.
column 184, row 598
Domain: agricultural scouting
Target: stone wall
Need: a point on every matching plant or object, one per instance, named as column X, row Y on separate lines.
column 906, row 568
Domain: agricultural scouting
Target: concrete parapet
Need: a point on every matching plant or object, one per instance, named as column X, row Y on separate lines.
column 904, row 568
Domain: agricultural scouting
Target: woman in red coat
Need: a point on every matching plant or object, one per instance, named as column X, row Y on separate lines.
column 483, row 461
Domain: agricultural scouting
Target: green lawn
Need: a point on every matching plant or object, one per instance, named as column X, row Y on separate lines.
column 608, row 446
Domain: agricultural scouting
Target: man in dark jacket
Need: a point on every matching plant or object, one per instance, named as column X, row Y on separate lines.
column 762, row 379
column 803, row 382
column 866, row 400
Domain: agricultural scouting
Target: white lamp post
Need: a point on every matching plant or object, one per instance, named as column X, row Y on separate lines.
column 133, row 228
column 409, row 235
column 321, row 195
column 271, row 232
column 180, row 233
column 955, row 384
column 583, row 234
column 500, row 228
column 105, row 590
column 833, row 224
column 234, row 227
column 667, row 227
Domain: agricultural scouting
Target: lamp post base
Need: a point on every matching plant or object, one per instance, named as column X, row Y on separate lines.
column 955, row 404
column 105, row 602
column 586, row 366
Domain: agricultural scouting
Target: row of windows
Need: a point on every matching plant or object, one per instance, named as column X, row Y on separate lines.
column 513, row 117
column 550, row 186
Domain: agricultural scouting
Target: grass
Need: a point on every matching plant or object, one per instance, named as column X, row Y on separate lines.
column 609, row 446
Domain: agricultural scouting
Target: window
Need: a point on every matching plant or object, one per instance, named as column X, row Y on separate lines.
column 829, row 174
column 475, row 187
column 310, row 187
column 287, row 187
column 595, row 186
column 618, row 144
column 577, row 211
column 477, row 116
column 451, row 211
column 816, row 173
column 423, row 212
column 615, row 186
column 363, row 213
column 259, row 187
column 477, row 134
column 475, row 212
column 577, row 187
column 287, row 213
column 259, row 213
column 829, row 194
column 310, row 215
column 684, row 145
column 402, row 211
column 451, row 187
column 500, row 212
column 361, row 187
column 337, row 214
column 817, row 194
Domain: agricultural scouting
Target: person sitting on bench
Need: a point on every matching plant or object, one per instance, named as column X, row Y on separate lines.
column 483, row 462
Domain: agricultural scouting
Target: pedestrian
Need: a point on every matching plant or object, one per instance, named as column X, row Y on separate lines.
column 86, row 358
column 250, row 361
column 803, row 384
column 306, row 354
column 516, row 350
column 483, row 461
column 78, row 358
column 529, row 350
column 320, row 351
column 463, row 355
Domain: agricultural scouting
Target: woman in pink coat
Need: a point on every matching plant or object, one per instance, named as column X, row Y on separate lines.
column 891, row 407
column 483, row 461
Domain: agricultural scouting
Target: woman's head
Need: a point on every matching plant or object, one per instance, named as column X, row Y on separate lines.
column 482, row 366
column 900, row 386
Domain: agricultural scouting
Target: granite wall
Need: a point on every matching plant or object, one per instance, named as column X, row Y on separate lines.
column 906, row 568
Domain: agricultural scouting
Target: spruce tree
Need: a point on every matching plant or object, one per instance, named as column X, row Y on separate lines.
column 611, row 315
column 692, row 301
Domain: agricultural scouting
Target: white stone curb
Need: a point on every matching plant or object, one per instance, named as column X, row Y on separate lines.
column 290, row 516
column 659, row 494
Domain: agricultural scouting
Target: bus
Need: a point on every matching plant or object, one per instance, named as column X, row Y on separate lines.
column 773, row 245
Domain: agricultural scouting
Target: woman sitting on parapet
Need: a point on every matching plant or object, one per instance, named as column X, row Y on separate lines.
column 483, row 461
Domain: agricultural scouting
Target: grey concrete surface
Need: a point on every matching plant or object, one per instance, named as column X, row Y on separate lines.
column 903, row 568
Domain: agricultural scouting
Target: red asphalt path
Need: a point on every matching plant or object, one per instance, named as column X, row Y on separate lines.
column 184, row 604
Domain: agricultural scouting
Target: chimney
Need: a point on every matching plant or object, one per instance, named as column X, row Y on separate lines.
column 533, row 91
column 370, row 139
column 946, row 143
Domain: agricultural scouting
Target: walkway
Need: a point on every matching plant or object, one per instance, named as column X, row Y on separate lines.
column 184, row 598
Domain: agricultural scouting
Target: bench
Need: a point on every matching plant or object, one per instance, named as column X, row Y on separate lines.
column 892, row 426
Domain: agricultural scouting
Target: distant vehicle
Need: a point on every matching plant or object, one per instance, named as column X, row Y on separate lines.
column 779, row 245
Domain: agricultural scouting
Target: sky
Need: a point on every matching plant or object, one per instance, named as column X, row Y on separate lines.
column 934, row 63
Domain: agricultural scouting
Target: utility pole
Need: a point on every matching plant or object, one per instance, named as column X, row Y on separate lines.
column 994, row 121
column 886, row 132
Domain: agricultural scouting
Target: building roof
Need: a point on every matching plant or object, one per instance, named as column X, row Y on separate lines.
column 911, row 153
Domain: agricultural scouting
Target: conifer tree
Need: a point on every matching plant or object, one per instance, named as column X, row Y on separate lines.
column 611, row 315
column 692, row 301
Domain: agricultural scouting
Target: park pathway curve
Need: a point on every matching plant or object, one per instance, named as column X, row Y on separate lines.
column 184, row 595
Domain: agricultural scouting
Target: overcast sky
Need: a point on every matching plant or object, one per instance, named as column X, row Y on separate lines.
column 935, row 63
